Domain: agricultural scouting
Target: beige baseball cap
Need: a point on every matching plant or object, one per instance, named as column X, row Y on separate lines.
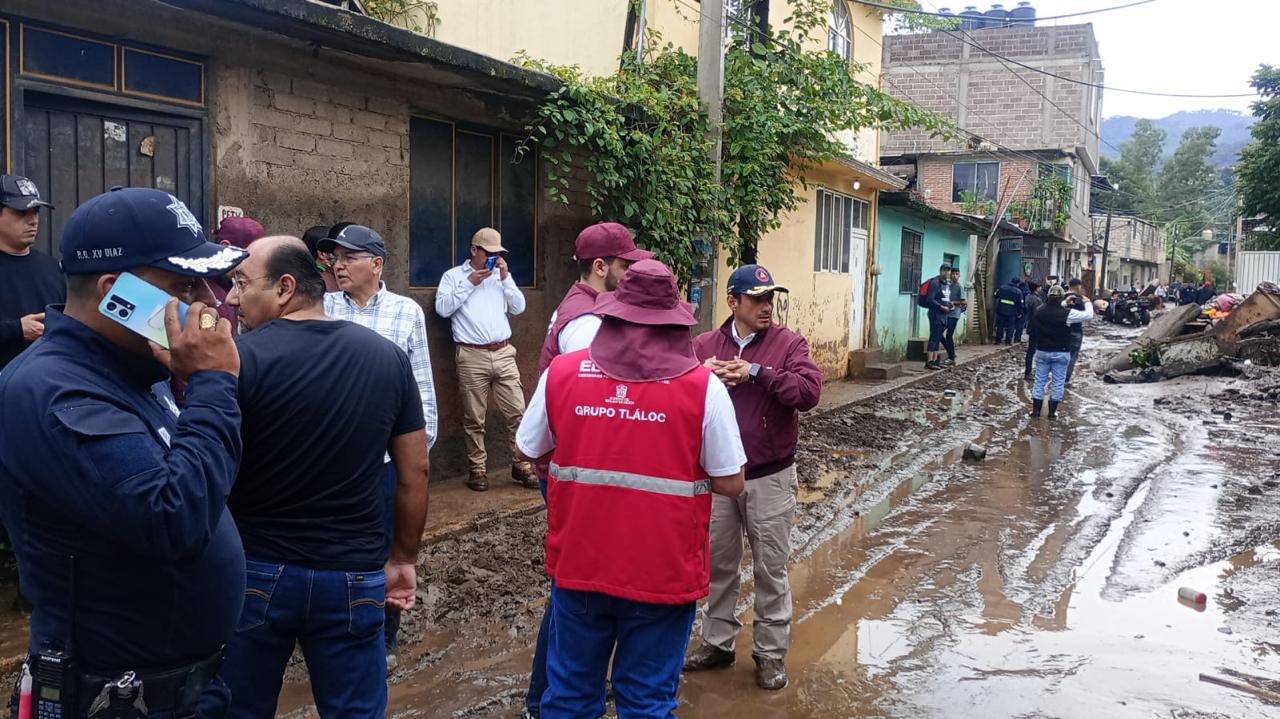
column 488, row 239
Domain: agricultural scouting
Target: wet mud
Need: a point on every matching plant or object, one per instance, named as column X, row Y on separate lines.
column 1041, row 582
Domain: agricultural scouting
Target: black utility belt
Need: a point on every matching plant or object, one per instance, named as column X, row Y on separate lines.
column 175, row 690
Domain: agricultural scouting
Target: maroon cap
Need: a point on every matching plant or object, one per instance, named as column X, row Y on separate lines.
column 647, row 295
column 608, row 239
column 240, row 231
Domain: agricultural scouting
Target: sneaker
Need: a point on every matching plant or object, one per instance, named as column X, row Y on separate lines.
column 933, row 365
column 771, row 675
column 523, row 474
column 392, row 661
column 478, row 482
column 709, row 656
column 949, row 362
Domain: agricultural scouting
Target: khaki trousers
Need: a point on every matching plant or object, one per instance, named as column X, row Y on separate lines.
column 764, row 512
column 479, row 372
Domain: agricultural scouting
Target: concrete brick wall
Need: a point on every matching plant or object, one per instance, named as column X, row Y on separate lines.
column 301, row 135
column 983, row 95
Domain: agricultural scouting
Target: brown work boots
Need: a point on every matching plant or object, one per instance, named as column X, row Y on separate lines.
column 523, row 474
column 771, row 674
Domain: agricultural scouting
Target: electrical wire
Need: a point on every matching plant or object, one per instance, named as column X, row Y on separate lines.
column 1006, row 151
column 975, row 44
column 910, row 11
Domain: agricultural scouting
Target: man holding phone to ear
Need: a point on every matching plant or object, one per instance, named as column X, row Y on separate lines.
column 478, row 295
column 116, row 504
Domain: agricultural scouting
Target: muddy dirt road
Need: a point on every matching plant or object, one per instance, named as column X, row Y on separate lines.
column 1039, row 583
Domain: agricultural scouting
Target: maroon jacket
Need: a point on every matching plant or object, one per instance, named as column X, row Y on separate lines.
column 769, row 408
column 577, row 302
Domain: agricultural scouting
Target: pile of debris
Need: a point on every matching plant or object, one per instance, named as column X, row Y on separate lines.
column 1189, row 340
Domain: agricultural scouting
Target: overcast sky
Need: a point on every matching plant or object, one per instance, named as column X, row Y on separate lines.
column 1183, row 46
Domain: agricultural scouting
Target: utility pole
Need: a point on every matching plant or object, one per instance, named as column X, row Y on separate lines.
column 711, row 93
column 1106, row 248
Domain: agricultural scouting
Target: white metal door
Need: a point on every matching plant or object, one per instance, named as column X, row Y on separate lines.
column 858, row 272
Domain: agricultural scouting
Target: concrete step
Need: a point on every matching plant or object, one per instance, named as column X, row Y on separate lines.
column 860, row 359
column 883, row 370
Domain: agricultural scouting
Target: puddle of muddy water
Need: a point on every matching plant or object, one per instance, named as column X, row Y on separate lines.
column 1018, row 590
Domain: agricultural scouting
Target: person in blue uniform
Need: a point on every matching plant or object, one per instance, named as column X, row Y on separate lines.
column 116, row 503
column 1009, row 305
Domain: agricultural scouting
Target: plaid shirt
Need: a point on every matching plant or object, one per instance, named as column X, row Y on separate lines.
column 400, row 320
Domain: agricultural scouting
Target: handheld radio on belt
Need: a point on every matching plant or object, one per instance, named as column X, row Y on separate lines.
column 53, row 678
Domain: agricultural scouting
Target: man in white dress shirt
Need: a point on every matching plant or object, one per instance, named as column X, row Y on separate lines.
column 477, row 296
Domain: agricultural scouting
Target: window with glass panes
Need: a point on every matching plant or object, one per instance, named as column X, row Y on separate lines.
column 980, row 178
column 839, row 216
column 839, row 30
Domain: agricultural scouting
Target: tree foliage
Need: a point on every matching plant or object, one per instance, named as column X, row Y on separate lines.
column 642, row 136
column 1134, row 171
column 1258, row 172
column 1189, row 196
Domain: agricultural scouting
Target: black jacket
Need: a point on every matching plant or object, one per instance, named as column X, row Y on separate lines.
column 1050, row 328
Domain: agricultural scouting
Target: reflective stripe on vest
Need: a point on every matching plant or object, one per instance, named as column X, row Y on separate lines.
column 1007, row 302
column 644, row 483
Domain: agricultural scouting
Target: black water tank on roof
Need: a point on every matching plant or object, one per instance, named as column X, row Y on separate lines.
column 997, row 15
column 972, row 19
column 1024, row 14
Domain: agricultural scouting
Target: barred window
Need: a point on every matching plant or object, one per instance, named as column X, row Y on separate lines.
column 911, row 270
column 838, row 217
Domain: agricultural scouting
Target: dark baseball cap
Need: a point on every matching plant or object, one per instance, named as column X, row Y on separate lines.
column 752, row 280
column 608, row 239
column 136, row 227
column 19, row 193
column 355, row 237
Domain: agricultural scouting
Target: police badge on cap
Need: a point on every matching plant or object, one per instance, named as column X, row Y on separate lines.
column 19, row 193
column 137, row 226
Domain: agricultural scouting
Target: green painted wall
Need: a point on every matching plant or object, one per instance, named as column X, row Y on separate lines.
column 895, row 310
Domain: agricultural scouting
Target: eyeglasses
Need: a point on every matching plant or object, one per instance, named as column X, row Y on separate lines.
column 238, row 284
column 348, row 259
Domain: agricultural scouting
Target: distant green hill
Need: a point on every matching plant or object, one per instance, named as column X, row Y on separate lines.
column 1234, row 126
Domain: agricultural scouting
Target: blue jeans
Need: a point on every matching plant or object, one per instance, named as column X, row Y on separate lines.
column 336, row 616
column 391, row 627
column 647, row 641
column 1050, row 364
column 538, row 672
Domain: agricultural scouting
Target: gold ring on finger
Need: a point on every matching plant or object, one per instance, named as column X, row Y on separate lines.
column 208, row 321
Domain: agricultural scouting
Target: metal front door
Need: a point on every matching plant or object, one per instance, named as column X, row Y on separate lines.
column 858, row 272
column 74, row 150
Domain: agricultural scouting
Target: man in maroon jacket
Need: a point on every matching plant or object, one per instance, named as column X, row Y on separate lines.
column 604, row 251
column 771, row 379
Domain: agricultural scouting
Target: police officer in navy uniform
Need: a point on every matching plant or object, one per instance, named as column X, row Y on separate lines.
column 116, row 503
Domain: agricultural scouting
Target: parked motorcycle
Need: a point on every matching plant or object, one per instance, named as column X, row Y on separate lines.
column 1132, row 310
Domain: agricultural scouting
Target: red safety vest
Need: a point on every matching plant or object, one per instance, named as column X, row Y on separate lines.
column 628, row 504
column 578, row 301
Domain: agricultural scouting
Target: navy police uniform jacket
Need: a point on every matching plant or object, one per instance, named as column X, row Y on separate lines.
column 1009, row 299
column 96, row 464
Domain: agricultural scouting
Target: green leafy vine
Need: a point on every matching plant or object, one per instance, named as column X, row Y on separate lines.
column 641, row 135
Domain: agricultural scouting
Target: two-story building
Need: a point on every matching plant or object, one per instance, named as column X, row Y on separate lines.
column 1136, row 251
column 1033, row 136
column 823, row 249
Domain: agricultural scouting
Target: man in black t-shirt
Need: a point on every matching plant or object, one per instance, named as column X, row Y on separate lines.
column 309, row 500
column 30, row 279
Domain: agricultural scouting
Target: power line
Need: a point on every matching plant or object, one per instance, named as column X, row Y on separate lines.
column 974, row 43
column 909, row 11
